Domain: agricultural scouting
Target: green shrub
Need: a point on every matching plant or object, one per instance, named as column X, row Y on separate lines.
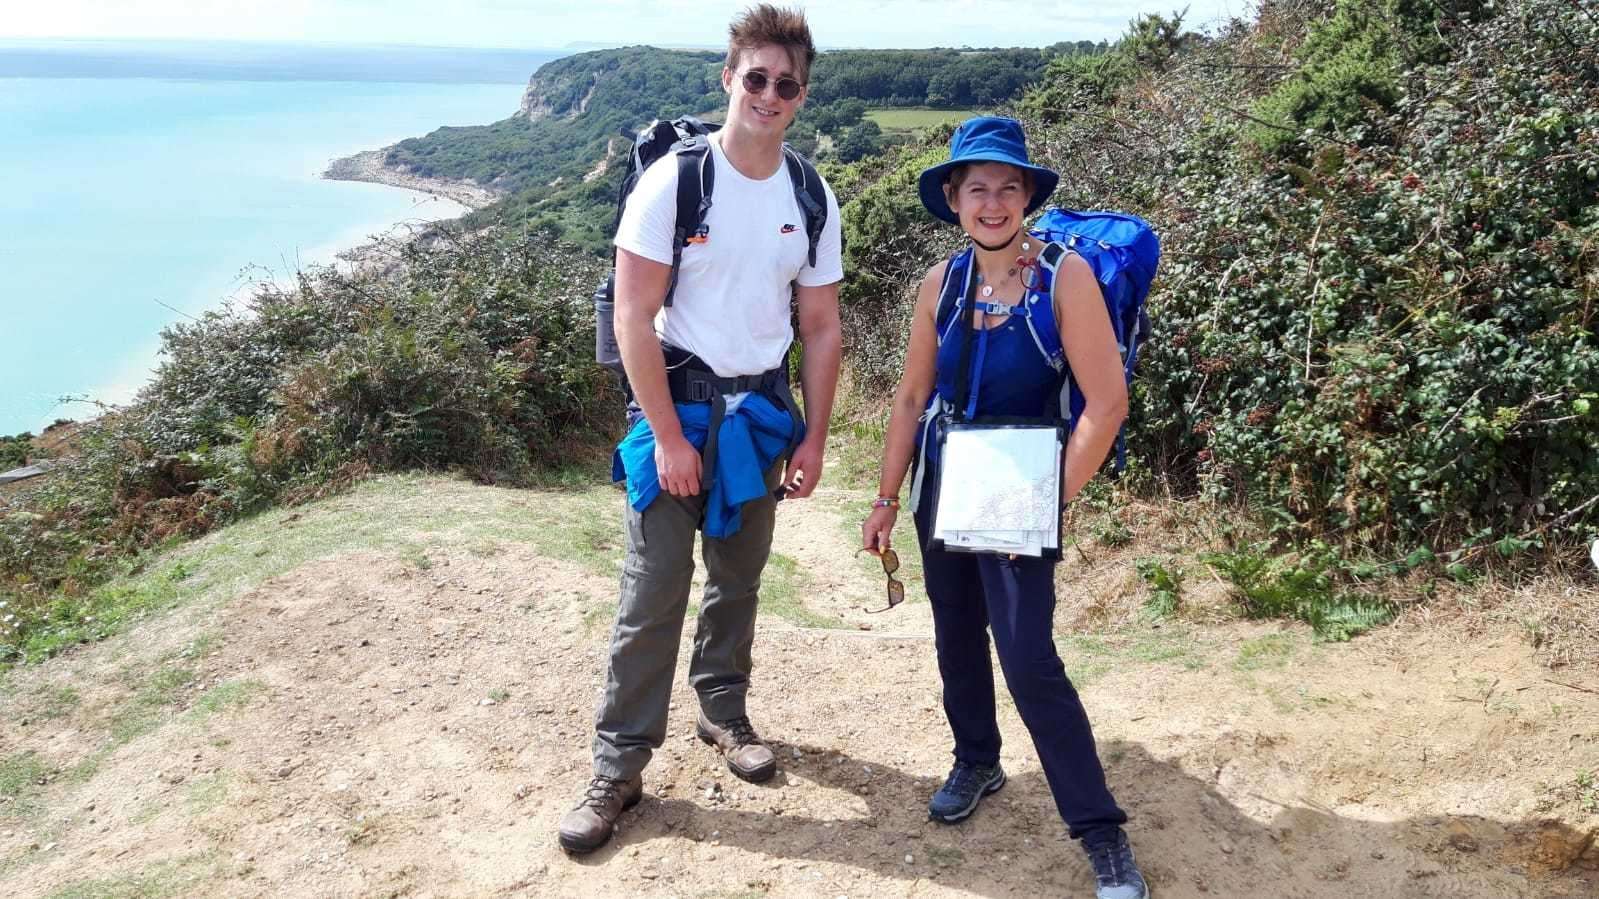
column 1304, row 586
column 1096, row 78
column 1355, row 63
column 1395, row 344
column 1165, row 586
column 15, row 451
column 467, row 352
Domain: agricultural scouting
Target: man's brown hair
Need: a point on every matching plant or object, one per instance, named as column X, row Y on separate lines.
column 766, row 25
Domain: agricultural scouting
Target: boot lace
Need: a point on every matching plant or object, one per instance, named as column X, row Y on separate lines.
column 1112, row 862
column 742, row 731
column 963, row 780
column 601, row 791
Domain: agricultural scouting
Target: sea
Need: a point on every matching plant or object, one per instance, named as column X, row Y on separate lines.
column 144, row 183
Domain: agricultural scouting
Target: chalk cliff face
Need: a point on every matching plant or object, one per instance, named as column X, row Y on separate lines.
column 536, row 102
column 551, row 91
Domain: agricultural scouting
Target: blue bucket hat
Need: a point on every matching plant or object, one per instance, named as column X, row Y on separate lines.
column 984, row 139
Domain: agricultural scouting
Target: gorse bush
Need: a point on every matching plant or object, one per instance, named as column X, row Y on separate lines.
column 1074, row 81
column 1356, row 61
column 472, row 353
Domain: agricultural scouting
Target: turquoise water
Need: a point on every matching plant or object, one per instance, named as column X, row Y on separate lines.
column 120, row 195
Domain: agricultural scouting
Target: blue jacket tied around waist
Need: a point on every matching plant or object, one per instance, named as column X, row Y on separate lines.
column 754, row 434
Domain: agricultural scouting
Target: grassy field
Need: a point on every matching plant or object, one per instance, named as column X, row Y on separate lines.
column 912, row 119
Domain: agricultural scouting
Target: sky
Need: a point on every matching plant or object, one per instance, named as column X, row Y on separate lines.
column 559, row 24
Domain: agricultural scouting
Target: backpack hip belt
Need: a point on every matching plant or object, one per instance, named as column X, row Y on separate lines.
column 689, row 381
column 694, row 385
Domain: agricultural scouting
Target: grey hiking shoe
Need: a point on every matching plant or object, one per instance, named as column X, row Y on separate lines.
column 587, row 827
column 747, row 755
column 966, row 786
column 1116, row 874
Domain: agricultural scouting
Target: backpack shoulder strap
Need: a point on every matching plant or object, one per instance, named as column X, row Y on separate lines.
column 1051, row 255
column 1041, row 319
column 811, row 195
column 696, row 176
column 950, row 292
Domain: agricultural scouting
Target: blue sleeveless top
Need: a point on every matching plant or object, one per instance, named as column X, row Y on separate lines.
column 1009, row 375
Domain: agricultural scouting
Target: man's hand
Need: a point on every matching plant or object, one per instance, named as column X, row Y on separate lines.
column 804, row 469
column 677, row 465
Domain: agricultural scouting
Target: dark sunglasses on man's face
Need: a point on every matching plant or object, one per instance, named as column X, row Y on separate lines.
column 896, row 589
column 755, row 83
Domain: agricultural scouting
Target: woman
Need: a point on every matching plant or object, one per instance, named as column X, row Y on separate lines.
column 987, row 188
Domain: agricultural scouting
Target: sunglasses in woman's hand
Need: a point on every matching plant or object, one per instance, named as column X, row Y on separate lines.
column 896, row 588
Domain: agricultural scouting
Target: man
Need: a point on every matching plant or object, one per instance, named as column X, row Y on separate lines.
column 726, row 332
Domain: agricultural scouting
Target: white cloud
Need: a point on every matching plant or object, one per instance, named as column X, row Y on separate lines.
column 555, row 23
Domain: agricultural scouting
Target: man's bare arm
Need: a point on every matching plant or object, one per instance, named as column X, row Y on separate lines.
column 640, row 292
column 823, row 340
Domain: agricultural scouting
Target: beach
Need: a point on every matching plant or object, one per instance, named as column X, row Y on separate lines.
column 369, row 166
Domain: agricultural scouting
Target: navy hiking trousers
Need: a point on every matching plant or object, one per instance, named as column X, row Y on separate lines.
column 972, row 593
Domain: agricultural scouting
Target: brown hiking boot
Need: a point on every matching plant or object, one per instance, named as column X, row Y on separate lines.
column 587, row 827
column 746, row 755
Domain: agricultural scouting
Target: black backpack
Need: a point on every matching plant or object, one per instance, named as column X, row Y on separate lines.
column 696, row 177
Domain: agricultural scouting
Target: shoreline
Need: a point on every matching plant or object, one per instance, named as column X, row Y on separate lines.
column 361, row 247
column 369, row 166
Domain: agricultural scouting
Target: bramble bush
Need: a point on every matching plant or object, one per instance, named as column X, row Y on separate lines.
column 1377, row 330
column 1392, row 343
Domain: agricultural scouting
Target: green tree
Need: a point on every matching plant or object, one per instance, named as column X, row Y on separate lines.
column 859, row 142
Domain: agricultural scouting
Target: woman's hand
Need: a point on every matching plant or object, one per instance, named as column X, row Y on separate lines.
column 875, row 533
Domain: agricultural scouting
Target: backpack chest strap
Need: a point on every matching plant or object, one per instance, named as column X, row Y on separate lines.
column 988, row 307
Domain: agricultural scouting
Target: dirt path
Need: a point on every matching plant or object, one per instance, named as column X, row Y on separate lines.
column 380, row 722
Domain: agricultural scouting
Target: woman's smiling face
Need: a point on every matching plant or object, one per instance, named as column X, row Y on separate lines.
column 991, row 200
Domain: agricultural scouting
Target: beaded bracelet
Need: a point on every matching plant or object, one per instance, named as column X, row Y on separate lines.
column 886, row 502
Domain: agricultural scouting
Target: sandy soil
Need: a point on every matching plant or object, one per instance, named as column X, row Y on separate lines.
column 365, row 725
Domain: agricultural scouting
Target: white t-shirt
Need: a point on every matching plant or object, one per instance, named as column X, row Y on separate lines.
column 731, row 307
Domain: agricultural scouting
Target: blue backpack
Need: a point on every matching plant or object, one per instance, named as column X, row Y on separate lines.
column 1124, row 252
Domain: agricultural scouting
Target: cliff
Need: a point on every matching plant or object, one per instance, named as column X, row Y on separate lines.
column 566, row 87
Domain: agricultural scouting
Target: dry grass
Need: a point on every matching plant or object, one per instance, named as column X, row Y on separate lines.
column 1554, row 607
